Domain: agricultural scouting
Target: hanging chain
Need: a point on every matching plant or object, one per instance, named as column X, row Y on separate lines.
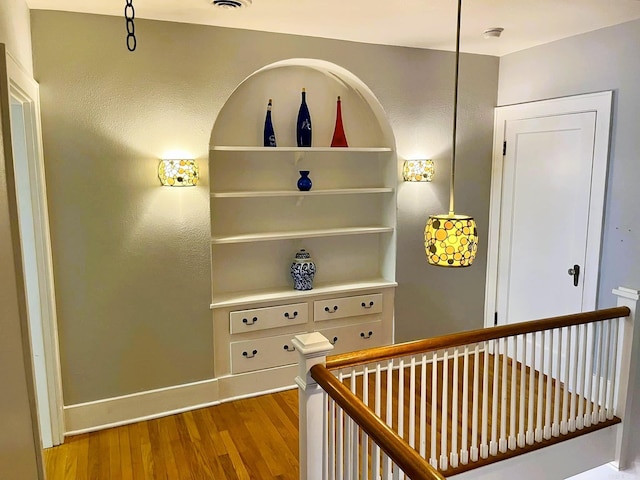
column 130, row 15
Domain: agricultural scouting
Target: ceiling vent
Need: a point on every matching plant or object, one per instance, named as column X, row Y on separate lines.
column 231, row 4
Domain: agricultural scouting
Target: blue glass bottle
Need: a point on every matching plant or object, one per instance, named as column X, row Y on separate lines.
column 303, row 126
column 269, row 134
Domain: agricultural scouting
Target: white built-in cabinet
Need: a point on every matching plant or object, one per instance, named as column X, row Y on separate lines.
column 259, row 220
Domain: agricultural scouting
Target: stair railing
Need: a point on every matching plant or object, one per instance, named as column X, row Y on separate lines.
column 503, row 388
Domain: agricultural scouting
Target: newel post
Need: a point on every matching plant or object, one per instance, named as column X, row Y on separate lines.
column 628, row 358
column 312, row 349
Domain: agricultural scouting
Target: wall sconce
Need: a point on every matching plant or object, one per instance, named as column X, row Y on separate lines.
column 418, row 170
column 178, row 173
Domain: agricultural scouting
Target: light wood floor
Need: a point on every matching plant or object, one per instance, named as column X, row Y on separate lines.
column 254, row 439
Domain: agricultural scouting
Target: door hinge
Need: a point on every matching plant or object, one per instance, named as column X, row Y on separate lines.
column 504, row 148
column 495, row 319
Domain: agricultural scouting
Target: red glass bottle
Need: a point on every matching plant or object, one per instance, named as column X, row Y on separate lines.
column 339, row 138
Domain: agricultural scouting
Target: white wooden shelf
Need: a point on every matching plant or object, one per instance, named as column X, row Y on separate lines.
column 298, row 193
column 325, row 232
column 239, row 148
column 236, row 299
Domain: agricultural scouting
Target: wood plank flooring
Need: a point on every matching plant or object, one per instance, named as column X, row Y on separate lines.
column 255, row 438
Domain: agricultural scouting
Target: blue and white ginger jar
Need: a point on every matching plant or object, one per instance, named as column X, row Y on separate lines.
column 302, row 271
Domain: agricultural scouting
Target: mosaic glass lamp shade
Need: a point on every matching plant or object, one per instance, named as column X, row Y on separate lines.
column 178, row 173
column 418, row 170
column 451, row 240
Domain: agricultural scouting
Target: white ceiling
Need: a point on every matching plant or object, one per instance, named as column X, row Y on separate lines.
column 412, row 23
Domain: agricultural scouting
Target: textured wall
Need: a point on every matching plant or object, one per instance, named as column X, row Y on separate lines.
column 131, row 259
column 606, row 59
column 15, row 31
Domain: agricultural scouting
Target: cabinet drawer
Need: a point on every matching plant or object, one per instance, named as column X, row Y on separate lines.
column 244, row 321
column 354, row 337
column 268, row 352
column 347, row 307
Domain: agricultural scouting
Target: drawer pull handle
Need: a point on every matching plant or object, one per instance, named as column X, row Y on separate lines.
column 365, row 336
column 364, row 305
column 290, row 317
column 334, row 341
column 329, row 310
column 289, row 349
column 253, row 320
column 246, row 354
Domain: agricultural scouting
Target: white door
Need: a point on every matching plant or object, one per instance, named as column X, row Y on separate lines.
column 546, row 208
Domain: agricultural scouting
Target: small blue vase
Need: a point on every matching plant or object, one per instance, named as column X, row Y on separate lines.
column 304, row 182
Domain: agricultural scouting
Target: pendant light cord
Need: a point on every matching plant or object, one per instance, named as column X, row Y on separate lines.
column 455, row 113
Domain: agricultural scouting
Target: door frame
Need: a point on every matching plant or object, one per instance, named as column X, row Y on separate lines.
column 601, row 104
column 25, row 89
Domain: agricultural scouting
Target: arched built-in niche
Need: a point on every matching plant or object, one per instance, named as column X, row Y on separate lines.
column 259, row 219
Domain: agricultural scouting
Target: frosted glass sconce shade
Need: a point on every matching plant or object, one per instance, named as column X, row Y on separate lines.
column 178, row 173
column 451, row 240
column 418, row 170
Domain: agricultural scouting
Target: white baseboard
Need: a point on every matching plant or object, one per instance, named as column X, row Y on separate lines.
column 136, row 407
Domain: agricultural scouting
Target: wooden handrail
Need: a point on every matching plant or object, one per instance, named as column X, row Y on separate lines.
column 407, row 458
column 471, row 337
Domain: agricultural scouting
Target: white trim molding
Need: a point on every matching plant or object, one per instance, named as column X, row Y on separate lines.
column 150, row 404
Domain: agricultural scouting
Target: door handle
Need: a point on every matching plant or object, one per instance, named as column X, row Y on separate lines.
column 575, row 271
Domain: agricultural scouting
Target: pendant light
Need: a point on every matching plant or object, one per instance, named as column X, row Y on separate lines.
column 451, row 240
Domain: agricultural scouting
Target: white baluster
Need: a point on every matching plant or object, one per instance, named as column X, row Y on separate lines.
column 564, row 422
column 389, row 414
column 375, row 449
column 512, row 415
column 589, row 374
column 597, row 378
column 454, row 458
column 340, row 440
column 433, row 460
column 484, row 445
column 464, row 450
column 540, row 373
column 331, row 457
column 423, row 406
column 606, row 334
column 614, row 366
column 493, row 445
column 412, row 402
column 400, row 429
column 581, row 377
column 523, row 393
column 474, row 406
column 364, row 438
column 530, row 435
column 444, row 459
column 555, row 430
column 549, row 370
column 575, row 363
column 502, row 442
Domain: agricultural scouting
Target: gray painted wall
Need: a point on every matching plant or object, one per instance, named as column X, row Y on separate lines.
column 131, row 259
column 606, row 59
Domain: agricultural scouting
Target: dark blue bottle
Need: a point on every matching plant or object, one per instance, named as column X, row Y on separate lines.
column 304, row 182
column 303, row 127
column 269, row 134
